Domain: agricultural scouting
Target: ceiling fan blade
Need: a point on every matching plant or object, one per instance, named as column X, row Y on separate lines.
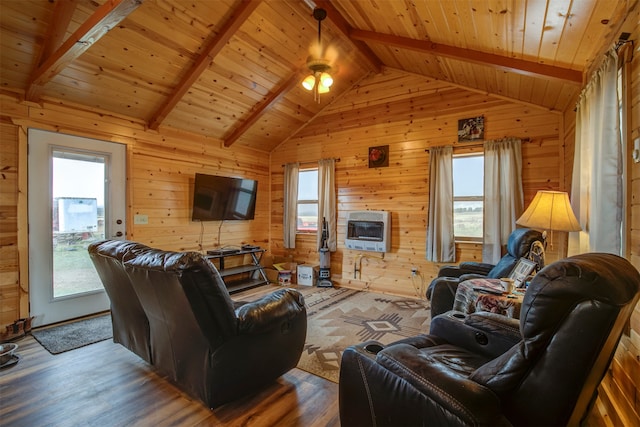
column 315, row 50
column 331, row 54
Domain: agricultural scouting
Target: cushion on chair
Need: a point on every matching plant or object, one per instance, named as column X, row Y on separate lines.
column 518, row 246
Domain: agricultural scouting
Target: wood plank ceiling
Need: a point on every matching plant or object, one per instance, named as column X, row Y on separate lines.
column 231, row 69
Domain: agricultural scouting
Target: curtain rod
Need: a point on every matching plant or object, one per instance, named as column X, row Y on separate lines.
column 312, row 163
column 480, row 144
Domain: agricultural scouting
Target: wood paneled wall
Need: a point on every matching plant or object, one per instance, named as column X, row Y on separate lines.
column 161, row 186
column 9, row 267
column 160, row 173
column 410, row 114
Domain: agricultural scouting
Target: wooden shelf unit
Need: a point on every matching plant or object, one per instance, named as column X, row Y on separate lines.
column 244, row 276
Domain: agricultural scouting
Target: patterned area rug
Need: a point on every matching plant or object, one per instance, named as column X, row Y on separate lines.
column 340, row 317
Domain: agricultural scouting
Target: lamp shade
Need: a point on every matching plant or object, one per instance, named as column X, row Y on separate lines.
column 309, row 82
column 550, row 210
column 326, row 80
column 322, row 88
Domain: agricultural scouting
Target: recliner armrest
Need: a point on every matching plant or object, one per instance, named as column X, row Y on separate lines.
column 487, row 333
column 450, row 271
column 470, row 276
column 270, row 311
column 495, row 323
column 476, row 267
column 467, row 267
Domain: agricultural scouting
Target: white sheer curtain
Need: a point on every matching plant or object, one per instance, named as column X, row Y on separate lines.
column 503, row 196
column 596, row 186
column 327, row 201
column 290, row 216
column 440, row 238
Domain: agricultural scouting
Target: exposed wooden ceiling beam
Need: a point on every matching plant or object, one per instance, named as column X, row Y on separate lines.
column 62, row 14
column 339, row 21
column 514, row 65
column 237, row 18
column 260, row 110
column 104, row 19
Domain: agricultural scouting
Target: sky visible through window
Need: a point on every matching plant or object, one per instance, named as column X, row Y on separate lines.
column 467, row 176
column 77, row 178
column 308, row 185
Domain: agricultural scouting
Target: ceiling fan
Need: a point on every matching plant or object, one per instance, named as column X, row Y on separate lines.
column 319, row 62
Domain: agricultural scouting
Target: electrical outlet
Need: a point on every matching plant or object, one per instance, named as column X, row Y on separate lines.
column 141, row 219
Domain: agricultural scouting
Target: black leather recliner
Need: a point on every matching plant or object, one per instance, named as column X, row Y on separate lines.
column 479, row 370
column 209, row 347
column 442, row 290
column 129, row 322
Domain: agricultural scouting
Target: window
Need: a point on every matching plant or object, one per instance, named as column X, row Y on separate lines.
column 468, row 195
column 307, row 201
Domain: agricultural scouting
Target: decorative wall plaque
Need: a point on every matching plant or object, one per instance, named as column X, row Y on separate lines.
column 379, row 156
column 471, row 129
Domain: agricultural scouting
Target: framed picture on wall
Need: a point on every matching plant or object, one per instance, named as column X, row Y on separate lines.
column 471, row 129
column 521, row 271
column 379, row 156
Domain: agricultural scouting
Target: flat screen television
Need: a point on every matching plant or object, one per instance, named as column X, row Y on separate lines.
column 218, row 198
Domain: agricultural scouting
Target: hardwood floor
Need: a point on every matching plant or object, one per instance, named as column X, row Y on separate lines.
column 104, row 384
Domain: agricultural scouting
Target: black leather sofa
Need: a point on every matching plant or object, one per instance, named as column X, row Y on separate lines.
column 485, row 369
column 214, row 350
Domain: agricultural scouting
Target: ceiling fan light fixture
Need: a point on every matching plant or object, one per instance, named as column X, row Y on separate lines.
column 326, row 80
column 309, row 82
column 322, row 88
column 319, row 81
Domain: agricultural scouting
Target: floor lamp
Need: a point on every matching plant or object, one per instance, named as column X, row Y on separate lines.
column 550, row 210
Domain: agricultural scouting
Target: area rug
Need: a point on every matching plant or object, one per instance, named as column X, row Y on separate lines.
column 69, row 336
column 340, row 317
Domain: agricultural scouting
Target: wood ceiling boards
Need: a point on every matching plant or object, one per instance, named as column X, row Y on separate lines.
column 230, row 69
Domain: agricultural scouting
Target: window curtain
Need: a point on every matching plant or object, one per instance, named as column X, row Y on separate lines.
column 440, row 238
column 596, row 186
column 503, row 196
column 327, row 202
column 290, row 215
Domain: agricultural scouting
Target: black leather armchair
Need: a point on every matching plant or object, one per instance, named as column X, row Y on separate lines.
column 214, row 350
column 480, row 370
column 441, row 292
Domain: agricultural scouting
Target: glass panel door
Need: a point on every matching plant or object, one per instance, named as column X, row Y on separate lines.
column 77, row 220
column 76, row 195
